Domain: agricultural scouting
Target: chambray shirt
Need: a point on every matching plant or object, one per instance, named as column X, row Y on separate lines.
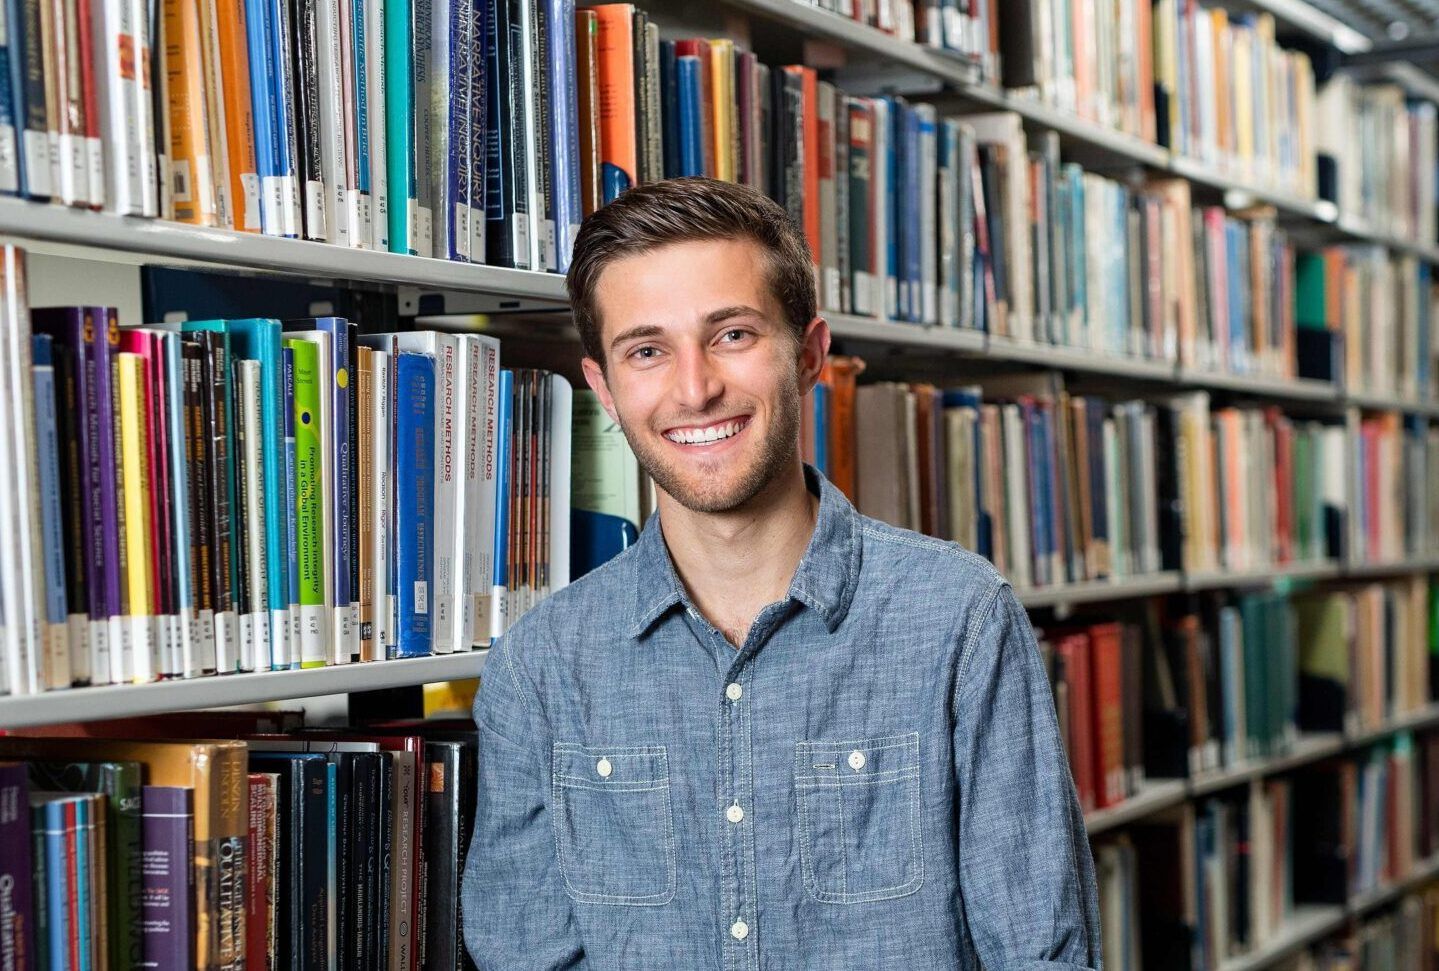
column 873, row 781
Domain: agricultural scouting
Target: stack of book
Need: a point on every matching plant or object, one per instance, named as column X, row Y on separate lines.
column 971, row 29
column 249, row 494
column 1393, row 481
column 1230, row 97
column 1400, row 937
column 1377, row 150
column 285, row 847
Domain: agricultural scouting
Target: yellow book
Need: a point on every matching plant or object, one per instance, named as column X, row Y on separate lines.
column 135, row 471
column 722, row 100
column 192, row 184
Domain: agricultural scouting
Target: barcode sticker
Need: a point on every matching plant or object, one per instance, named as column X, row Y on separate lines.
column 422, row 597
column 180, row 180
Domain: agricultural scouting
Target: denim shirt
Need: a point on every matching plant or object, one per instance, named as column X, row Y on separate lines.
column 874, row 780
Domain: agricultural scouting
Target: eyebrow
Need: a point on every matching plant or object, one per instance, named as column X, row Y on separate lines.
column 713, row 317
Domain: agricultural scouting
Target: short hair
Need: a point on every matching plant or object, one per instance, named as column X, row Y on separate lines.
column 684, row 210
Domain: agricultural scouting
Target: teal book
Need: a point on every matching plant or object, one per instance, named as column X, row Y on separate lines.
column 259, row 339
column 399, row 124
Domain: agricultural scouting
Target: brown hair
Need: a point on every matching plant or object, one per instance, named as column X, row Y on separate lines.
column 683, row 210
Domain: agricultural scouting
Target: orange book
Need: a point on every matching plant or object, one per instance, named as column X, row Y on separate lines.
column 720, row 72
column 619, row 152
column 809, row 106
column 841, row 374
column 1144, row 33
column 1105, row 642
column 190, row 177
column 1073, row 652
column 239, row 122
column 587, row 77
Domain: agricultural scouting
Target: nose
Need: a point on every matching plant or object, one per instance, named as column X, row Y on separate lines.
column 697, row 380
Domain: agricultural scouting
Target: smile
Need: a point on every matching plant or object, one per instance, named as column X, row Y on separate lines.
column 709, row 434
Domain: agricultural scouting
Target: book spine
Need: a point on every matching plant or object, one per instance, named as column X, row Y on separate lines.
column 58, row 886
column 537, row 158
column 47, row 441
column 332, row 119
column 252, row 466
column 472, row 459
column 168, row 877
column 119, row 122
column 309, row 526
column 167, row 642
column 399, row 122
column 17, row 871
column 414, row 459
column 69, row 413
column 340, row 398
column 420, row 213
column 233, row 31
column 34, row 112
column 564, row 129
column 304, row 50
column 292, row 563
column 436, row 119
column 11, row 104
column 365, row 450
column 448, row 509
column 499, row 584
column 191, row 180
column 202, row 658
column 220, row 459
column 259, row 889
column 135, row 469
column 361, row 28
column 181, row 503
column 382, row 422
column 376, row 108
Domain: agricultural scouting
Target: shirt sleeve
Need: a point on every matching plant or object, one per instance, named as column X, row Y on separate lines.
column 1025, row 872
column 515, row 911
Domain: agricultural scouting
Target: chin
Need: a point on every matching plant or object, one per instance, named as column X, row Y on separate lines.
column 708, row 492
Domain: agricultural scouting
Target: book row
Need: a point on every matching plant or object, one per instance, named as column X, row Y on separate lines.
column 1192, row 685
column 250, row 494
column 1396, row 940
column 283, row 848
column 1209, row 882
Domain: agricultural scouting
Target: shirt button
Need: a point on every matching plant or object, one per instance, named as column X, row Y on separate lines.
column 733, row 692
column 604, row 768
column 734, row 813
column 739, row 930
column 856, row 760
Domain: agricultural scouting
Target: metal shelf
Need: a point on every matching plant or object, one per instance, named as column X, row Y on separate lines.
column 1308, row 923
column 1065, row 358
column 899, row 334
column 1413, row 564
column 1423, row 872
column 1092, row 591
column 1260, row 576
column 1378, row 401
column 122, row 700
column 1291, row 389
column 1155, row 796
column 1309, row 748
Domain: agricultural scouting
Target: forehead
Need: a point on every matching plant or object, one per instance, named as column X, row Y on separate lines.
column 679, row 283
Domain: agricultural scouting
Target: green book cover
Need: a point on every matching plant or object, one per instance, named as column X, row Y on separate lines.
column 1309, row 290
column 309, row 502
column 119, row 782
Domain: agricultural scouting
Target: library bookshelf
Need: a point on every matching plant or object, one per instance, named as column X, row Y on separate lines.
column 948, row 80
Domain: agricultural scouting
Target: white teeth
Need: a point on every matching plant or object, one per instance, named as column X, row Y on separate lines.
column 704, row 436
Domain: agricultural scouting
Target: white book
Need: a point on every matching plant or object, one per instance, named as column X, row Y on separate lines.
column 332, row 120
column 885, row 301
column 114, row 30
column 538, row 253
column 450, row 418
column 437, row 161
column 217, row 152
column 1016, row 469
column 140, row 107
column 481, row 486
column 375, row 99
column 252, row 495
column 382, row 506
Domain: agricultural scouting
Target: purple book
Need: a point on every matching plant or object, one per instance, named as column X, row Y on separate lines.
column 17, row 912
column 81, row 330
column 167, row 916
column 106, row 342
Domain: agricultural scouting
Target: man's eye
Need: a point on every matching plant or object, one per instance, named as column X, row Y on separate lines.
column 734, row 335
column 645, row 353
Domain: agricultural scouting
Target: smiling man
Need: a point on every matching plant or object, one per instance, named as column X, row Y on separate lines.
column 775, row 733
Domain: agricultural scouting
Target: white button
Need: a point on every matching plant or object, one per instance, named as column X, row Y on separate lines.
column 734, row 813
column 739, row 930
column 733, row 692
column 604, row 768
column 856, row 760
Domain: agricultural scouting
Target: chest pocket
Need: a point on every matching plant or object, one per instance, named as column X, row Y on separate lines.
column 614, row 829
column 859, row 826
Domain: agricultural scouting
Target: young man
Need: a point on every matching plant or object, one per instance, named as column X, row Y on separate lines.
column 775, row 733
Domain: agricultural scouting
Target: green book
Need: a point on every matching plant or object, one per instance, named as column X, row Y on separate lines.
column 1309, row 309
column 309, row 502
column 119, row 782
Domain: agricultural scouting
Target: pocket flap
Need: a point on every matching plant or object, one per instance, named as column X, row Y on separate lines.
column 629, row 768
column 860, row 760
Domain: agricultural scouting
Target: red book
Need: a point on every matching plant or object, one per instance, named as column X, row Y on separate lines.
column 1106, row 661
column 1074, row 649
column 809, row 152
column 261, row 869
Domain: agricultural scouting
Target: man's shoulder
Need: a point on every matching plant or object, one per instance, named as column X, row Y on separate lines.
column 924, row 560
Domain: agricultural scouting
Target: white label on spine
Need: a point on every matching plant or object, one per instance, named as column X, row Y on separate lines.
column 355, row 628
column 831, row 287
column 205, row 643
column 422, row 597
column 272, row 205
column 142, row 641
column 296, row 635
column 120, row 666
column 426, row 223
column 227, row 642
column 312, row 634
column 412, row 224
column 250, row 185
column 95, row 160
column 340, row 633
column 100, row 652
column 9, row 163
column 461, row 233
column 189, row 629
column 37, row 162
column 547, row 245
column 366, row 234
column 247, row 642
column 314, row 210
column 78, row 637
column 477, row 235
column 522, row 240
column 358, row 232
column 280, row 655
column 262, row 642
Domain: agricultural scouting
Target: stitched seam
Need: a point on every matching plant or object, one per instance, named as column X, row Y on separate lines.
column 611, row 751
column 570, row 782
column 843, row 845
column 871, row 745
column 971, row 634
column 815, row 782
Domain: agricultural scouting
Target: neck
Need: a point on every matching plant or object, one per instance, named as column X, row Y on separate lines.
column 735, row 563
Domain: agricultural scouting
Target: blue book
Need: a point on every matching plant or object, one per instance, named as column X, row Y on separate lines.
column 47, row 447
column 85, row 875
column 280, row 192
column 175, row 370
column 332, row 861
column 258, row 339
column 691, row 132
column 263, row 97
column 564, row 129
column 292, row 556
column 670, row 105
column 11, row 120
column 1039, row 533
column 895, row 305
column 414, row 497
column 503, row 432
column 913, row 220
column 821, row 428
column 358, row 34
column 48, row 818
column 341, row 421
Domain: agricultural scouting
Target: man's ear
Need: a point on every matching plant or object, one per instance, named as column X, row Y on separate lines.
column 813, row 352
column 595, row 378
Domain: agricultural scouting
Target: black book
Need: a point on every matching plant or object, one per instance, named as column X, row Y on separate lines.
column 506, row 183
column 1170, row 518
column 197, row 460
column 304, row 57
column 381, row 843
column 670, row 108
column 993, row 210
column 1321, row 847
column 350, row 806
column 302, row 809
column 32, row 116
column 215, row 374
column 70, row 410
column 540, row 106
column 353, row 367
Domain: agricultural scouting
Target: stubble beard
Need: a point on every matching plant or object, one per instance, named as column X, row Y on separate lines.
column 776, row 452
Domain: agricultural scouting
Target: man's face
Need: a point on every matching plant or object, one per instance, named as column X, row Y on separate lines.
column 703, row 373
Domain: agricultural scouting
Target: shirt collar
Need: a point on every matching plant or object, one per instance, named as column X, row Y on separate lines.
column 825, row 580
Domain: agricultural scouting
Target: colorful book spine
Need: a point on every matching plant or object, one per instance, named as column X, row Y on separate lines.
column 399, row 124
column 383, row 498
column 17, row 906
column 292, row 563
column 191, row 174
column 499, row 583
column 482, row 482
column 309, row 502
column 168, row 930
column 249, row 397
column 414, row 498
column 362, row 232
column 376, row 106
column 10, row 178
column 134, row 400
column 233, row 30
column 48, row 819
column 47, row 441
column 199, row 500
